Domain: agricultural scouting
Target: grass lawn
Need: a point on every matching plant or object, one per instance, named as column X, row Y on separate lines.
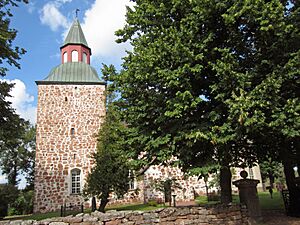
column 41, row 216
column 265, row 200
column 135, row 207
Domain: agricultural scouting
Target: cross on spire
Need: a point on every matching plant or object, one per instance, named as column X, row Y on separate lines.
column 76, row 12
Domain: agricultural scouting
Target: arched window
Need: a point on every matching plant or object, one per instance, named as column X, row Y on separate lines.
column 75, row 181
column 74, row 56
column 65, row 57
column 84, row 57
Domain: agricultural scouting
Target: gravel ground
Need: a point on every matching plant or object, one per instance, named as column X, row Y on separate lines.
column 277, row 217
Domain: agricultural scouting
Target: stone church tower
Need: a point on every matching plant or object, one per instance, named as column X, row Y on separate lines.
column 71, row 106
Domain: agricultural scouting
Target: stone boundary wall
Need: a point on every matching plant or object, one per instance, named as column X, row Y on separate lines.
column 210, row 215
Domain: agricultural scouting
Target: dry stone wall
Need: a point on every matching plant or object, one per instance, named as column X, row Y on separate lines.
column 219, row 215
column 68, row 121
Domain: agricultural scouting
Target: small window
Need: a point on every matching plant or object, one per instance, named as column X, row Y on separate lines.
column 75, row 181
column 72, row 131
column 84, row 57
column 74, row 56
column 65, row 57
column 66, row 99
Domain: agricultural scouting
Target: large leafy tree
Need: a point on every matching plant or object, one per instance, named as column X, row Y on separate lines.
column 17, row 153
column 111, row 172
column 269, row 103
column 184, row 86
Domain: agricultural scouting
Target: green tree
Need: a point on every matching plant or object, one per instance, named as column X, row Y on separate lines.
column 23, row 204
column 268, row 104
column 9, row 56
column 184, row 86
column 17, row 152
column 111, row 172
column 271, row 170
column 8, row 194
column 8, row 53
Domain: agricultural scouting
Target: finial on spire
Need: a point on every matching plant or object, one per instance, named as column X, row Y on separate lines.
column 76, row 12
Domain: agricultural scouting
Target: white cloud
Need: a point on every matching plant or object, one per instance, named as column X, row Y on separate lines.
column 51, row 16
column 99, row 25
column 21, row 101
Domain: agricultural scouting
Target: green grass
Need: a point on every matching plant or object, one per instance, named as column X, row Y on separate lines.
column 265, row 200
column 135, row 207
column 41, row 216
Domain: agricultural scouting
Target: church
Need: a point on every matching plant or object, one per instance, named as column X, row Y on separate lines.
column 71, row 108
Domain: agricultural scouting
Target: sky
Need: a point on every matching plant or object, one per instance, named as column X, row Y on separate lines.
column 42, row 26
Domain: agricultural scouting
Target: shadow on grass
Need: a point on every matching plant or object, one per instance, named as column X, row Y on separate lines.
column 265, row 200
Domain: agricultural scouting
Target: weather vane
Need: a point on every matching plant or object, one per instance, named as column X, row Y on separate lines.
column 76, row 12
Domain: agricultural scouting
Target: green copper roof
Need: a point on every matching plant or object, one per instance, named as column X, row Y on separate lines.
column 75, row 35
column 72, row 72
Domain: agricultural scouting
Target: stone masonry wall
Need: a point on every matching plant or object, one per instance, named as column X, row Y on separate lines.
column 58, row 151
column 185, row 188
column 222, row 215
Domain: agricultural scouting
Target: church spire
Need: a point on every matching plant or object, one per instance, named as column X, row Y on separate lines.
column 75, row 35
column 75, row 47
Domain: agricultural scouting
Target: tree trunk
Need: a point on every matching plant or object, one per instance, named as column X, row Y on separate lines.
column 225, row 183
column 272, row 179
column 103, row 202
column 294, row 192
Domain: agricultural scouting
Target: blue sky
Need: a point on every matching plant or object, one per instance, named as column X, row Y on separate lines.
column 42, row 26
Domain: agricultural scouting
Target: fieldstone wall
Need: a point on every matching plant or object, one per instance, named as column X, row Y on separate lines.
column 68, row 121
column 223, row 215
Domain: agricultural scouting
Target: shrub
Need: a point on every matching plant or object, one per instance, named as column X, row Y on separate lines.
column 152, row 202
column 8, row 194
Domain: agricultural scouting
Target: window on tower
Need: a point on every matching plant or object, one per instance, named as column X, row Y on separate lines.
column 65, row 57
column 84, row 57
column 75, row 181
column 74, row 56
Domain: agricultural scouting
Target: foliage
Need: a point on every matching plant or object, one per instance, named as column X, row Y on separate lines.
column 8, row 53
column 210, row 79
column 111, row 172
column 152, row 202
column 10, row 122
column 8, row 194
column 271, row 170
column 17, row 152
column 23, row 204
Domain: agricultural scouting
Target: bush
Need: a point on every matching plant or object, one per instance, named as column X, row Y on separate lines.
column 152, row 202
column 23, row 204
column 8, row 194
column 3, row 209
